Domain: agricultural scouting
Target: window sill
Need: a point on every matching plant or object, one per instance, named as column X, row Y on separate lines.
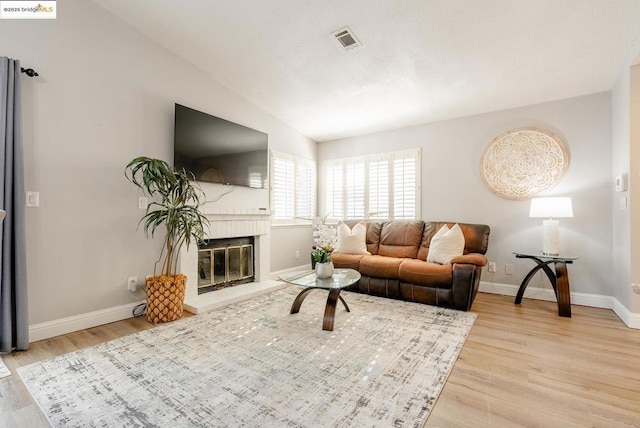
column 290, row 225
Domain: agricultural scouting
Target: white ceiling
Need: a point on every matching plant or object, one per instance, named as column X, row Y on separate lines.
column 422, row 60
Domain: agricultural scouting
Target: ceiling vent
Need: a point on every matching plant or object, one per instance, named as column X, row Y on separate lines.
column 346, row 38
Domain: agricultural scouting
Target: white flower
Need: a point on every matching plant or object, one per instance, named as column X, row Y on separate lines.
column 325, row 236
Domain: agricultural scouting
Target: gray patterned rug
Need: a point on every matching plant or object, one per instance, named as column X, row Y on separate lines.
column 252, row 364
column 4, row 371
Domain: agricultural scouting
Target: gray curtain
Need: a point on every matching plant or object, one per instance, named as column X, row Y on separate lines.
column 14, row 325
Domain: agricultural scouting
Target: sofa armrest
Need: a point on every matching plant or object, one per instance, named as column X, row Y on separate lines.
column 466, row 280
column 471, row 258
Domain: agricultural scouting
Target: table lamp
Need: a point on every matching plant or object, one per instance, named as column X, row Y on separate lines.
column 547, row 208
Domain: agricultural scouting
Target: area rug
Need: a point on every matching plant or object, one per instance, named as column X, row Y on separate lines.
column 4, row 371
column 252, row 364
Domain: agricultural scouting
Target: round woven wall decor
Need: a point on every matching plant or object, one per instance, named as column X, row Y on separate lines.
column 523, row 162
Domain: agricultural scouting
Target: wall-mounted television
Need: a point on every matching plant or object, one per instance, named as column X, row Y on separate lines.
column 219, row 151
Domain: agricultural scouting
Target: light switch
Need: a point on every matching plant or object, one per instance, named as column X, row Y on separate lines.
column 33, row 199
column 621, row 183
column 142, row 203
column 624, row 202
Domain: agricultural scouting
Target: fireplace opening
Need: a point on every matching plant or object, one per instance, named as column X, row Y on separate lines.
column 224, row 263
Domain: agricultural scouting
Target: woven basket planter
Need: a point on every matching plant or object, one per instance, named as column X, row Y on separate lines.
column 165, row 297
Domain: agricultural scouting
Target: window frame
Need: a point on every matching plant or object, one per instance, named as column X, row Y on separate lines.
column 312, row 185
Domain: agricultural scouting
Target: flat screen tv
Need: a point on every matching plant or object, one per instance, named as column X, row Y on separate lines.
column 219, row 151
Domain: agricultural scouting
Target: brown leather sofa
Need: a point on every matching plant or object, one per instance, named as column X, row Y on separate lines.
column 397, row 267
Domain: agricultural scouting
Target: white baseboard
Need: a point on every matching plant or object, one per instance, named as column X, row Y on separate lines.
column 66, row 325
column 582, row 299
column 631, row 319
column 276, row 275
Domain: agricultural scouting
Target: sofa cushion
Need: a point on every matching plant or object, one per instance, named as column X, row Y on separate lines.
column 424, row 273
column 380, row 266
column 476, row 237
column 373, row 233
column 446, row 244
column 401, row 238
column 352, row 240
column 346, row 261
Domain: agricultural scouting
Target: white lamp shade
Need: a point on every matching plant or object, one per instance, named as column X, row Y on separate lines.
column 551, row 207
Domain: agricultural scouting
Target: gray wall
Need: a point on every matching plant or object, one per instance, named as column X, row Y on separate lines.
column 285, row 241
column 105, row 94
column 452, row 188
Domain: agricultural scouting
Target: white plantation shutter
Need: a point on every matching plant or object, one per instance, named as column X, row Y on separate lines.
column 283, row 181
column 404, row 186
column 292, row 188
column 379, row 188
column 384, row 186
column 334, row 194
column 305, row 190
column 355, row 185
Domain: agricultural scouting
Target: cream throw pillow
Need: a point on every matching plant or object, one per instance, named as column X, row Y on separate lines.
column 446, row 244
column 352, row 241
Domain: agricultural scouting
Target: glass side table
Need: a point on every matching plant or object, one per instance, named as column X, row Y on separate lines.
column 559, row 279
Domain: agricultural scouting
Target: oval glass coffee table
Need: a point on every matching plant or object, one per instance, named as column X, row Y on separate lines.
column 341, row 279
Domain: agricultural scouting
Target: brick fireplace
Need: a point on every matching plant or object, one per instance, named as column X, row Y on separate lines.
column 231, row 224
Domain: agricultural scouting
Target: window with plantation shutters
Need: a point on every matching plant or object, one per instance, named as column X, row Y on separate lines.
column 293, row 187
column 383, row 186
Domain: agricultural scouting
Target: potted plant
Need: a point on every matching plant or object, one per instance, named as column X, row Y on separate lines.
column 323, row 264
column 174, row 209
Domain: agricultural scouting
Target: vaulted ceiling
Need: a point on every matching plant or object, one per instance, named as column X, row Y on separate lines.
column 421, row 60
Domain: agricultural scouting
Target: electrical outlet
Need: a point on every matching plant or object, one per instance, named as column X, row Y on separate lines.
column 297, row 254
column 492, row 267
column 508, row 269
column 132, row 283
column 635, row 288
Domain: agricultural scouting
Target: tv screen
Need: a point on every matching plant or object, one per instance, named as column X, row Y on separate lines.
column 219, row 151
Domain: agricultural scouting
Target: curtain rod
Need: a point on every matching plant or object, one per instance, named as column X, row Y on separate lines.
column 29, row 72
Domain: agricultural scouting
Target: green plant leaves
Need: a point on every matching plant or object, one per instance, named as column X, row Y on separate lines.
column 175, row 206
column 320, row 255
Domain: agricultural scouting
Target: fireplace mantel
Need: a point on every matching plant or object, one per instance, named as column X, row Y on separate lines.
column 235, row 212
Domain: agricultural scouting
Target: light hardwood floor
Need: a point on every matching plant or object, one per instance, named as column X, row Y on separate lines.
column 520, row 366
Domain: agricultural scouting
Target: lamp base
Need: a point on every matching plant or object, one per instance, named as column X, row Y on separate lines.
column 550, row 237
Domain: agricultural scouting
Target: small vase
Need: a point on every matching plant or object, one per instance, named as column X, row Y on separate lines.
column 324, row 270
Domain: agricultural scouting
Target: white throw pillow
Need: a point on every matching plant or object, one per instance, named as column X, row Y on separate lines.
column 446, row 244
column 352, row 241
